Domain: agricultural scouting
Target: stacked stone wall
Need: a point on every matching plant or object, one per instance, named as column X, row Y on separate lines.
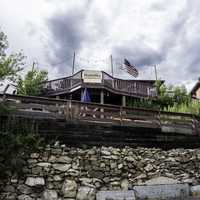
column 61, row 172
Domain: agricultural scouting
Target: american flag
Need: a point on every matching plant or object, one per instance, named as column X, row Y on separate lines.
column 131, row 69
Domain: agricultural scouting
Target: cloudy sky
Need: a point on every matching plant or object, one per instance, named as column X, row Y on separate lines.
column 146, row 32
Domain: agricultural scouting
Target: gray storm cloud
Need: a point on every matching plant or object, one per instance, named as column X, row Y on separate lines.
column 177, row 51
column 68, row 34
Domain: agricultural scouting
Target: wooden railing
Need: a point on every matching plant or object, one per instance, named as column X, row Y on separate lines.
column 131, row 87
column 62, row 84
column 108, row 114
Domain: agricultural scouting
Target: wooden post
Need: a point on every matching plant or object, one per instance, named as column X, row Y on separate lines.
column 102, row 102
column 102, row 97
column 82, row 91
column 57, row 97
column 112, row 70
column 124, row 101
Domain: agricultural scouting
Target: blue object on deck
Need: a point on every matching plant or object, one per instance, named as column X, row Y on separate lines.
column 85, row 96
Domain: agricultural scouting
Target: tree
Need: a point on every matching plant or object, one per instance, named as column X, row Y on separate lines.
column 10, row 65
column 31, row 83
column 169, row 96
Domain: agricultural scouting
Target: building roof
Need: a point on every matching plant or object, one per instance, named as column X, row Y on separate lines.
column 98, row 80
column 195, row 88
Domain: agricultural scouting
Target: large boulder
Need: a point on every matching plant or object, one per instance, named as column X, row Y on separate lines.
column 69, row 188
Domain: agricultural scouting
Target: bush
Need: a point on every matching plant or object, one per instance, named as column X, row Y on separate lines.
column 18, row 139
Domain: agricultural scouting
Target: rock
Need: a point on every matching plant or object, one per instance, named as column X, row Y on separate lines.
column 105, row 152
column 64, row 159
column 72, row 172
column 160, row 181
column 14, row 180
column 69, row 188
column 24, row 197
column 141, row 176
column 115, row 183
column 62, row 167
column 148, row 168
column 124, row 184
column 189, row 180
column 36, row 170
column 96, row 174
column 52, row 159
column 57, row 178
column 129, row 159
column 8, row 196
column 44, row 164
column 86, row 193
column 113, row 165
column 56, row 151
column 35, row 155
column 9, row 188
column 120, row 166
column 35, row 181
column 86, row 180
column 24, row 189
column 49, row 195
column 195, row 191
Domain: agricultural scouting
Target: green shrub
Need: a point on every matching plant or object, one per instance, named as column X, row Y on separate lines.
column 18, row 139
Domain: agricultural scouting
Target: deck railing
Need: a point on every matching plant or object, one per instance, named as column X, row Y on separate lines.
column 130, row 87
column 181, row 123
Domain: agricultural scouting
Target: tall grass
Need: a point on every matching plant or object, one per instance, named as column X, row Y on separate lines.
column 193, row 107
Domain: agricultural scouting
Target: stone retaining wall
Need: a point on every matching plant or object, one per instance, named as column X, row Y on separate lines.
column 60, row 172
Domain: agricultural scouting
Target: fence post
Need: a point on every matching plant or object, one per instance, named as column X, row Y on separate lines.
column 159, row 119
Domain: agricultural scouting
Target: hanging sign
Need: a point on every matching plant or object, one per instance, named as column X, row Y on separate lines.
column 90, row 76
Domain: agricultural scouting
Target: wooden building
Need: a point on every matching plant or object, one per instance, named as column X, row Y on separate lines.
column 102, row 88
column 195, row 92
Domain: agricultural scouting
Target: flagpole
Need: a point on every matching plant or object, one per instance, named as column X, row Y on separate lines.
column 111, row 64
column 73, row 65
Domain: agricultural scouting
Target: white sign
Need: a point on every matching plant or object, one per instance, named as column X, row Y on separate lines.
column 90, row 76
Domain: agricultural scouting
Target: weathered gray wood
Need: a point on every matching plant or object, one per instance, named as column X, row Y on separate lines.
column 73, row 110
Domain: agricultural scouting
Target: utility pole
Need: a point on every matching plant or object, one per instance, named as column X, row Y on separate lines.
column 156, row 75
column 73, row 63
column 33, row 66
column 111, row 64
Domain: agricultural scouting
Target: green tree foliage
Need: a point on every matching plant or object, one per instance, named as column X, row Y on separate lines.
column 171, row 95
column 31, row 84
column 10, row 65
column 18, row 139
column 170, row 98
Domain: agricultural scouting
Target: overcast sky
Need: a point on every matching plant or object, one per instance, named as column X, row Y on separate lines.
column 146, row 32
